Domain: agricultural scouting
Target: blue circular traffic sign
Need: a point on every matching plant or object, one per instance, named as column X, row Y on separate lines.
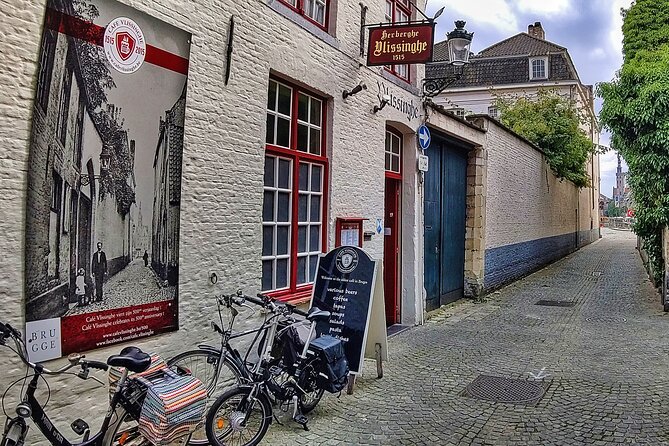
column 424, row 137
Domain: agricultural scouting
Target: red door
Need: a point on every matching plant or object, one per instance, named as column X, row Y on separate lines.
column 391, row 250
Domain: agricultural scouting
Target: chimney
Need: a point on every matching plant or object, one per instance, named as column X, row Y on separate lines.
column 536, row 30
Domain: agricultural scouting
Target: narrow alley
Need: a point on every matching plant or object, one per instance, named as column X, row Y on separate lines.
column 602, row 363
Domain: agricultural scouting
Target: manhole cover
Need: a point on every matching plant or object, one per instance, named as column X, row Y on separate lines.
column 556, row 303
column 606, row 319
column 506, row 390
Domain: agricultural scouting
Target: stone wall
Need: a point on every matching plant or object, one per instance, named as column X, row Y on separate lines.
column 531, row 217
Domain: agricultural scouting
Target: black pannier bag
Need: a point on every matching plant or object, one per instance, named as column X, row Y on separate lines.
column 333, row 373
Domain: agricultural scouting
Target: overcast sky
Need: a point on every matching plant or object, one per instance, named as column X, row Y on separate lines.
column 589, row 29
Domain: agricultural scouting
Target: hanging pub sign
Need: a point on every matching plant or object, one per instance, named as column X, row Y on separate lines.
column 400, row 44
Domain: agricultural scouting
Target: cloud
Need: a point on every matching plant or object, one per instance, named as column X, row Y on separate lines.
column 597, row 53
column 556, row 7
column 491, row 13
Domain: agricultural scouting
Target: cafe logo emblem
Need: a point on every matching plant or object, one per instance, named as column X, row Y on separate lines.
column 347, row 260
column 124, row 45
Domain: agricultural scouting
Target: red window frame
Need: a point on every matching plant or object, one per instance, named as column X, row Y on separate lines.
column 299, row 8
column 405, row 7
column 301, row 293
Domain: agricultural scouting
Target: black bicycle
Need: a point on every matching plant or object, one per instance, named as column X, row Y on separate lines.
column 288, row 373
column 119, row 425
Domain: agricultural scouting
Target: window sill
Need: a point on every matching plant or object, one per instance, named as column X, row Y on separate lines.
column 302, row 22
column 299, row 296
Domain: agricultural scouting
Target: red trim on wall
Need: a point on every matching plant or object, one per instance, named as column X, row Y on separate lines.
column 92, row 33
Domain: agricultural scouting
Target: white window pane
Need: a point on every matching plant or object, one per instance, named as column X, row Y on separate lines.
column 319, row 13
column 281, row 273
column 267, row 274
column 271, row 96
column 387, row 160
column 395, row 164
column 315, row 112
column 283, row 132
column 267, row 240
column 314, row 238
column 268, row 206
column 283, row 207
column 284, row 173
column 304, row 176
column 269, row 134
column 315, row 214
column 302, row 207
column 313, row 261
column 302, row 137
column 269, row 171
column 315, row 141
column 282, row 240
column 302, row 238
column 302, row 107
column 285, row 95
column 302, row 269
column 389, row 11
column 316, row 178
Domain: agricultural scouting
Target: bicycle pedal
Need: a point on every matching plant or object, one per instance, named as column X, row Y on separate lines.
column 79, row 426
column 303, row 420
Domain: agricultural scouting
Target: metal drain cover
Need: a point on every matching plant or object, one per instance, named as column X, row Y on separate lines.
column 556, row 303
column 506, row 390
column 606, row 319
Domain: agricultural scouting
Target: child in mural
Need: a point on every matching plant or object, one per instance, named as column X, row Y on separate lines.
column 81, row 288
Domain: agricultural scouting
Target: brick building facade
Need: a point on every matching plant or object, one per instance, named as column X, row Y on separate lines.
column 273, row 156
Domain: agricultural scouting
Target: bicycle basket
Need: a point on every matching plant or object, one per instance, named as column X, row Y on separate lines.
column 173, row 407
column 333, row 370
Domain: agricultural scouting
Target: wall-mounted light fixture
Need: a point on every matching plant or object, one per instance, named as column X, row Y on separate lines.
column 459, row 43
column 384, row 101
column 357, row 89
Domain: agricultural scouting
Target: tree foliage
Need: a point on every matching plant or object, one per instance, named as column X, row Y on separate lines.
column 636, row 111
column 551, row 122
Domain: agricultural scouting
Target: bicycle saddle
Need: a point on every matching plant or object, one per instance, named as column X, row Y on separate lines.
column 132, row 359
column 316, row 314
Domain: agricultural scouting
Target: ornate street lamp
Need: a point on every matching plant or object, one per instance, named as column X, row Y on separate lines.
column 459, row 42
column 105, row 163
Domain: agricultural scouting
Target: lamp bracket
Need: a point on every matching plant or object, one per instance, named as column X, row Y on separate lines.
column 433, row 86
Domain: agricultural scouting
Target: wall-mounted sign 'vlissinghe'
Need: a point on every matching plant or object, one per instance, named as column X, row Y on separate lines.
column 400, row 44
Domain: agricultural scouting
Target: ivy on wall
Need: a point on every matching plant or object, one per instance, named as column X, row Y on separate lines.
column 551, row 122
column 636, row 111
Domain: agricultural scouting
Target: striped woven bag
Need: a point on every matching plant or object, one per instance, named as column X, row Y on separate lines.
column 173, row 407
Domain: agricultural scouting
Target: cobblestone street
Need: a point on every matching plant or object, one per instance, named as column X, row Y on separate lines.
column 605, row 357
column 133, row 285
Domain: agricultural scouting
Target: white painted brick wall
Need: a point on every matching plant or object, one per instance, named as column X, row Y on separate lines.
column 525, row 200
column 223, row 157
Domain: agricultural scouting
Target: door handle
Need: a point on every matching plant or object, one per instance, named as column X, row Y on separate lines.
column 436, row 249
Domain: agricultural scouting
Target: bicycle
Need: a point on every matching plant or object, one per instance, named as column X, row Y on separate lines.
column 279, row 375
column 217, row 367
column 124, row 406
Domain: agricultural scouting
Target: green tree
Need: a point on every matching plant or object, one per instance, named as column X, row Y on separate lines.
column 636, row 111
column 551, row 122
column 613, row 211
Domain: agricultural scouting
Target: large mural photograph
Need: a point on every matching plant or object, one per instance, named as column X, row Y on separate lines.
column 102, row 223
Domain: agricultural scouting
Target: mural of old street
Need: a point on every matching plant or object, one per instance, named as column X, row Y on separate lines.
column 105, row 174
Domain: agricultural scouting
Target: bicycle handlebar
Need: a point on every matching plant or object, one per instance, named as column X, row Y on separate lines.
column 264, row 301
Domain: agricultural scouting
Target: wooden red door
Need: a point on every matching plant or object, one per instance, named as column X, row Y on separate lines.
column 391, row 250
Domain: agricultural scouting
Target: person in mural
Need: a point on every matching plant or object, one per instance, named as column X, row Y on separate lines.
column 146, row 258
column 81, row 288
column 99, row 269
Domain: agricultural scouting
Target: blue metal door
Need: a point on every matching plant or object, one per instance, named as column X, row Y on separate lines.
column 445, row 217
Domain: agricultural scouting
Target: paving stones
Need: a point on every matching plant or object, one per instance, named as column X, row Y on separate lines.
column 606, row 356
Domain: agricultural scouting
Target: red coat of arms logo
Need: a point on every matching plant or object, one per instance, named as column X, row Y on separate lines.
column 125, row 44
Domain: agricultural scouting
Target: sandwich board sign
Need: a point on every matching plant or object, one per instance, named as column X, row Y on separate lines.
column 345, row 286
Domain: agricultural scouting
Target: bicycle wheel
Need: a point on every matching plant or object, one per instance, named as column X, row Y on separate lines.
column 203, row 364
column 225, row 420
column 313, row 394
column 123, row 430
